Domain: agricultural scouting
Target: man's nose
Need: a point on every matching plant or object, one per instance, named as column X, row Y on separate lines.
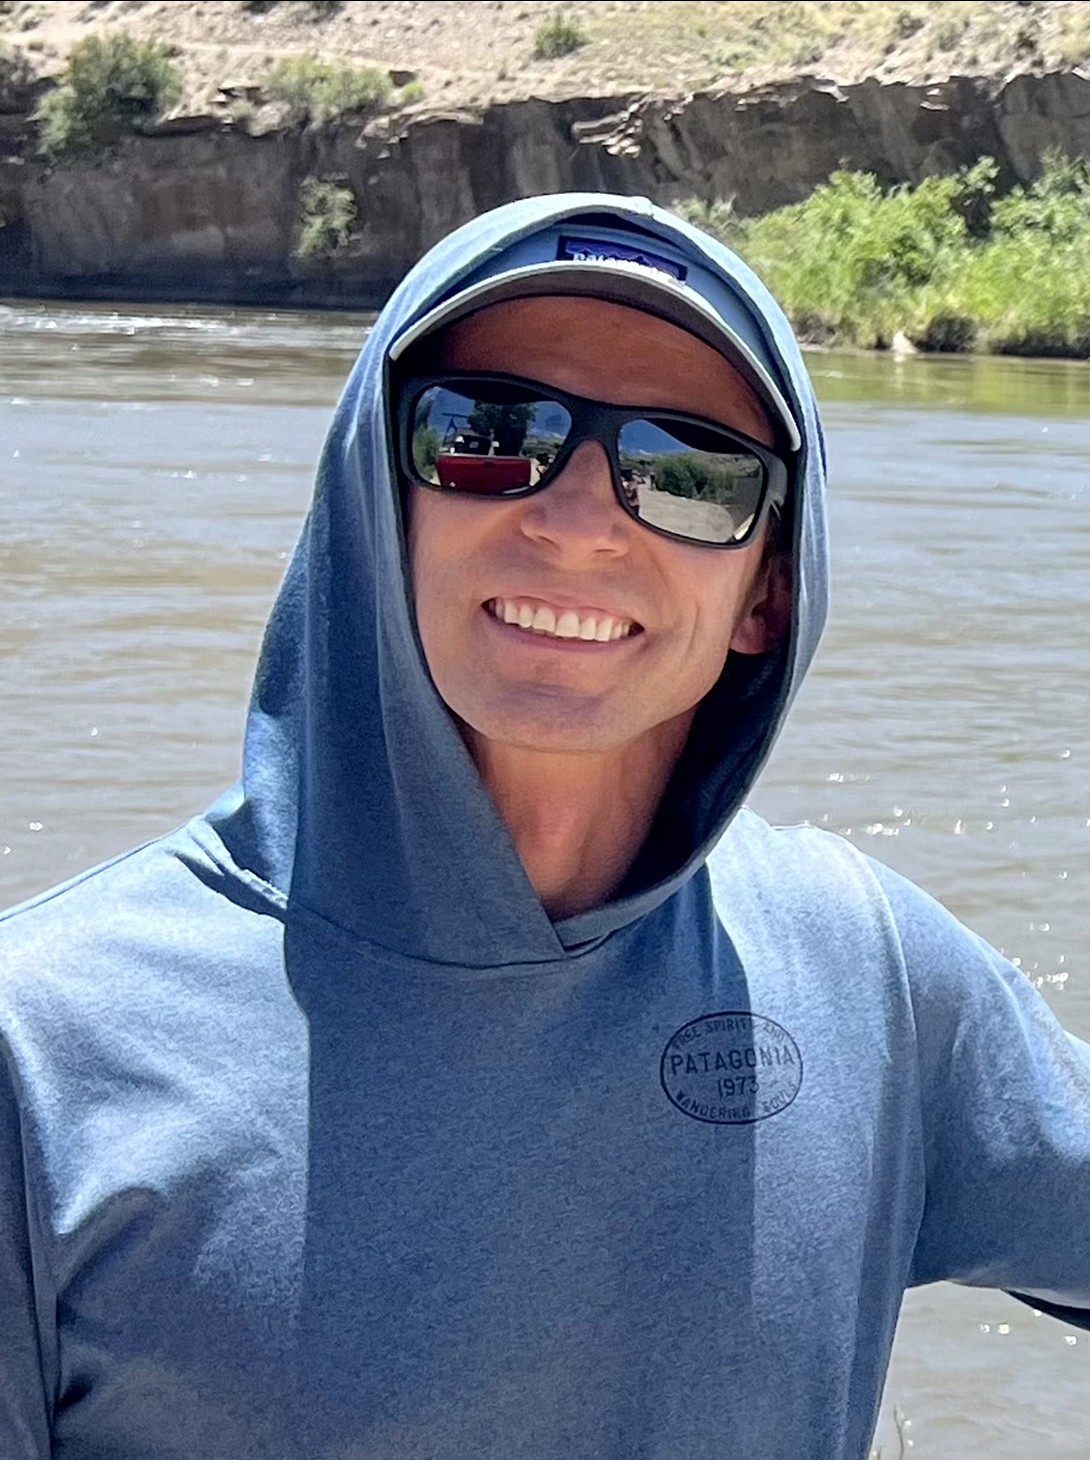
column 578, row 512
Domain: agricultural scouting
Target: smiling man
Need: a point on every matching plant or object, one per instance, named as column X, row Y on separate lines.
column 478, row 1078
column 573, row 640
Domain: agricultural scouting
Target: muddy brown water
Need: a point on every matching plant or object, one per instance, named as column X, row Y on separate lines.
column 154, row 467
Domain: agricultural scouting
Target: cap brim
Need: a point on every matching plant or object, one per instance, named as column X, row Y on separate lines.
column 622, row 283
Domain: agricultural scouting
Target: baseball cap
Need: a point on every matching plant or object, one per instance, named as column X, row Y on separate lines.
column 625, row 265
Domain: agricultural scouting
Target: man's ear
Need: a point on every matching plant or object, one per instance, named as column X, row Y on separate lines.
column 767, row 616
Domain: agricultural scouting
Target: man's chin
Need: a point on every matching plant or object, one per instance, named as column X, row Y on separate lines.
column 548, row 720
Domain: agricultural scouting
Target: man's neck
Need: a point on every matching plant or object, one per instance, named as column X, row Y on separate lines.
column 578, row 820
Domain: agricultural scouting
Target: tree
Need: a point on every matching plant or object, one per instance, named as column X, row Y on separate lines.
column 506, row 424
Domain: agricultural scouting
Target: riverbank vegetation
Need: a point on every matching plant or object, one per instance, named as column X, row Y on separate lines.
column 110, row 85
column 947, row 265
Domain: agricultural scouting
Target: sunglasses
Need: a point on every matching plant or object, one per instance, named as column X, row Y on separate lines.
column 501, row 437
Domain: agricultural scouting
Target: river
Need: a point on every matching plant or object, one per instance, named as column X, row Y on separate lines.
column 155, row 467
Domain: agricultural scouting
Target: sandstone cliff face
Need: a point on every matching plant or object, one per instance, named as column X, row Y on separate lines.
column 202, row 211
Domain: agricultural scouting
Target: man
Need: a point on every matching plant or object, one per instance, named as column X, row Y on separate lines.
column 478, row 1078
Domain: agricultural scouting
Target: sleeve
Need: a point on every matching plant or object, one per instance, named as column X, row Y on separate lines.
column 1005, row 1112
column 24, row 1395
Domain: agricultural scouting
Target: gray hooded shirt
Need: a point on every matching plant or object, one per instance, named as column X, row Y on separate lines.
column 319, row 1139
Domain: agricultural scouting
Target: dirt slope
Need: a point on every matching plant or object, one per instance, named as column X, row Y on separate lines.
column 472, row 51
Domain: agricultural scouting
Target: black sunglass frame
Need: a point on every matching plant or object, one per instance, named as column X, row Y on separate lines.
column 591, row 420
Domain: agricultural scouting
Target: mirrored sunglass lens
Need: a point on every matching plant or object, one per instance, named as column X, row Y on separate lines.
column 690, row 480
column 485, row 439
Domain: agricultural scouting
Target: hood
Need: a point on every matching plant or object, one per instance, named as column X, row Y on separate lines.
column 358, row 800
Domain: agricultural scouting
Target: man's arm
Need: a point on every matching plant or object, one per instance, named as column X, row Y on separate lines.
column 1005, row 1103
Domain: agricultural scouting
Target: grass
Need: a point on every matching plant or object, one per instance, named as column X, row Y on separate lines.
column 111, row 84
column 948, row 264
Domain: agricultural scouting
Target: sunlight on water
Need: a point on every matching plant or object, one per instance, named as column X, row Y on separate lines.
column 155, row 468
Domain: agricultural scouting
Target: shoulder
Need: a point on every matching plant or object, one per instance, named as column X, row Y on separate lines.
column 137, row 942
column 803, row 848
column 813, row 892
column 795, row 874
column 150, row 893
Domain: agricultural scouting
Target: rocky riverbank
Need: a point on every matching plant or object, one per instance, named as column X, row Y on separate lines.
column 206, row 203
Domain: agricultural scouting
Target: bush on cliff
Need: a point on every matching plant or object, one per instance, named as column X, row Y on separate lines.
column 111, row 85
column 327, row 218
column 948, row 263
column 316, row 91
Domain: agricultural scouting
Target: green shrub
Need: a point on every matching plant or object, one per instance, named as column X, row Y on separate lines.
column 316, row 91
column 696, row 476
column 851, row 257
column 426, row 449
column 1030, row 295
column 1026, row 283
column 327, row 218
column 558, row 37
column 111, row 85
column 1056, row 204
column 947, row 262
column 973, row 196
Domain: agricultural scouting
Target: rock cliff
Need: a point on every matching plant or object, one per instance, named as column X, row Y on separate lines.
column 205, row 211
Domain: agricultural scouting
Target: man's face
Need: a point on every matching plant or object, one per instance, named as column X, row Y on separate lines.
column 572, row 549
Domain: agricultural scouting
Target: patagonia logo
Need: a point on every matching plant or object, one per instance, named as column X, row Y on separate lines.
column 598, row 251
column 732, row 1068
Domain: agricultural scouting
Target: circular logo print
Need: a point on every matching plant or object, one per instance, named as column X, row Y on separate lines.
column 731, row 1068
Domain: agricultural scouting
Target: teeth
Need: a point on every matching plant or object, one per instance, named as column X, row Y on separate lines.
column 567, row 624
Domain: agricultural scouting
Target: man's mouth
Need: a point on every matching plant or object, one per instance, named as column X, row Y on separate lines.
column 561, row 623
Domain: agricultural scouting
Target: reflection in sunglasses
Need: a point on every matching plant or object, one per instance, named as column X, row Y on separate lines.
column 492, row 436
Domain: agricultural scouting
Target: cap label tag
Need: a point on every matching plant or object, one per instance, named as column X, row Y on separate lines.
column 597, row 251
